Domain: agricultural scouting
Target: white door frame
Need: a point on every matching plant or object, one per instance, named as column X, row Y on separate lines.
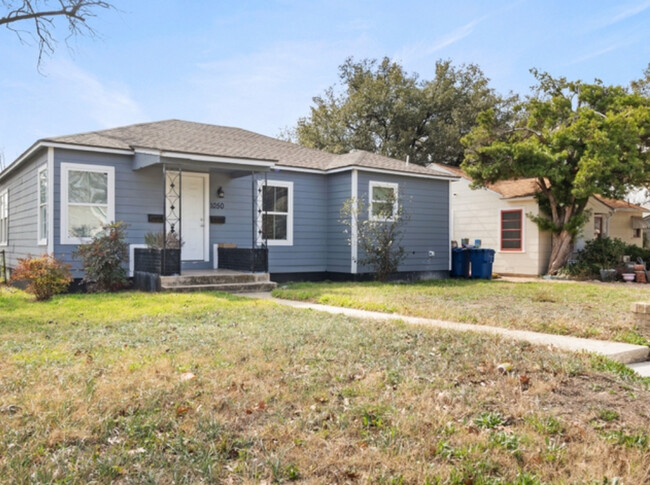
column 206, row 212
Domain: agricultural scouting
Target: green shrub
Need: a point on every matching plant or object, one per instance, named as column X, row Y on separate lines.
column 604, row 253
column 103, row 258
column 45, row 276
column 380, row 239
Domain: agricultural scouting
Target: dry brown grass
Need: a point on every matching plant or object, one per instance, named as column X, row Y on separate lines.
column 581, row 309
column 285, row 395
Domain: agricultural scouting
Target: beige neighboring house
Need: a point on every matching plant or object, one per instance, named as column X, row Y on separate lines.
column 497, row 215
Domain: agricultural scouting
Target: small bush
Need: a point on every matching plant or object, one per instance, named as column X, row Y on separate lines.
column 604, row 253
column 379, row 240
column 103, row 258
column 45, row 276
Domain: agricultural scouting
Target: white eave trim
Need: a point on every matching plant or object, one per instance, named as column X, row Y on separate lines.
column 392, row 172
column 284, row 168
column 65, row 146
column 210, row 158
column 631, row 210
column 87, row 148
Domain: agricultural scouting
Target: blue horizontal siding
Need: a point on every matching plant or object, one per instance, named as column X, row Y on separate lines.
column 319, row 241
column 22, row 187
column 425, row 203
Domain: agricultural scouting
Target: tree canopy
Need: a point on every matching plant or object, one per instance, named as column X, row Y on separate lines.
column 384, row 109
column 577, row 140
column 41, row 14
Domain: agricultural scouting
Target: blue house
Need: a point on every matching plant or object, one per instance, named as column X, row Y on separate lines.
column 231, row 194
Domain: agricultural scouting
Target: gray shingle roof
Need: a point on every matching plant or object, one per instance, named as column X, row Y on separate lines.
column 204, row 139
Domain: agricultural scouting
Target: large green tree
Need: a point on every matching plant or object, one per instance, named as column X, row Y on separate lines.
column 577, row 140
column 383, row 109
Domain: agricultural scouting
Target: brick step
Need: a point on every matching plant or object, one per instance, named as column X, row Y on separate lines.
column 247, row 287
column 213, row 279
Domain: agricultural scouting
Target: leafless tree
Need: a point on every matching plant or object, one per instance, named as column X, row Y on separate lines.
column 41, row 14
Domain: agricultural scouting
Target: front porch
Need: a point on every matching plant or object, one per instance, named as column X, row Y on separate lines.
column 207, row 220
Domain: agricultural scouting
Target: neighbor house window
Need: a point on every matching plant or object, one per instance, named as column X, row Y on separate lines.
column 599, row 227
column 383, row 203
column 4, row 217
column 512, row 230
column 41, row 198
column 87, row 201
column 276, row 215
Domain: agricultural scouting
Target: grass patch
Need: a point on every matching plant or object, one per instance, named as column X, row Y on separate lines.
column 211, row 388
column 580, row 309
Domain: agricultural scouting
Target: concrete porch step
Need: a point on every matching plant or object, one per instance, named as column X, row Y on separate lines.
column 231, row 287
column 215, row 278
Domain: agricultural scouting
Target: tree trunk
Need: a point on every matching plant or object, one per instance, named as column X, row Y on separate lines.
column 561, row 249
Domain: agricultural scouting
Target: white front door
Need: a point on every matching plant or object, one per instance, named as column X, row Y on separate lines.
column 193, row 223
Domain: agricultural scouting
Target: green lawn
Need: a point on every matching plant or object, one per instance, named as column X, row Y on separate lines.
column 588, row 310
column 210, row 388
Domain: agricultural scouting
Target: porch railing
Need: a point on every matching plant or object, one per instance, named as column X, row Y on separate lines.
column 255, row 260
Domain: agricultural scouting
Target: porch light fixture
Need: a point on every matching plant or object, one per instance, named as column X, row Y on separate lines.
column 220, row 193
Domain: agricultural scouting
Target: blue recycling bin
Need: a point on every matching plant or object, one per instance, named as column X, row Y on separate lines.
column 481, row 261
column 459, row 263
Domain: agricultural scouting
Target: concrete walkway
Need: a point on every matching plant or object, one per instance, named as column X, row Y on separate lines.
column 634, row 356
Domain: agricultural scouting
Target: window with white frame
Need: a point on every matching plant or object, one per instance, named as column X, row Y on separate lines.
column 383, row 201
column 4, row 217
column 276, row 215
column 41, row 200
column 87, row 201
column 512, row 230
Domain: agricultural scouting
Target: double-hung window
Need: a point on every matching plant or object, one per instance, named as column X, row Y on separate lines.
column 87, row 201
column 383, row 204
column 512, row 235
column 276, row 213
column 4, row 217
column 41, row 200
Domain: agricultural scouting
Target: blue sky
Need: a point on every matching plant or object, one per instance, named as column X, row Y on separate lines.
column 257, row 64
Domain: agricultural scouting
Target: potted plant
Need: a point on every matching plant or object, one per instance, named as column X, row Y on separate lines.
column 162, row 256
column 610, row 255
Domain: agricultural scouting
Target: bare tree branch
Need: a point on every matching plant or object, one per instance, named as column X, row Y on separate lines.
column 75, row 12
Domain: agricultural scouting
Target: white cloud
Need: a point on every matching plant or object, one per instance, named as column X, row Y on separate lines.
column 602, row 22
column 628, row 12
column 454, row 36
column 600, row 52
column 108, row 105
column 420, row 50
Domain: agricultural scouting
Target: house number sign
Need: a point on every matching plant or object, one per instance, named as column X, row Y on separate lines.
column 216, row 205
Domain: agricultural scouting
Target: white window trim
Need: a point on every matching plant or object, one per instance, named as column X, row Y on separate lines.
column 5, row 194
column 354, row 229
column 387, row 185
column 50, row 200
column 42, row 241
column 110, row 210
column 523, row 231
column 260, row 218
